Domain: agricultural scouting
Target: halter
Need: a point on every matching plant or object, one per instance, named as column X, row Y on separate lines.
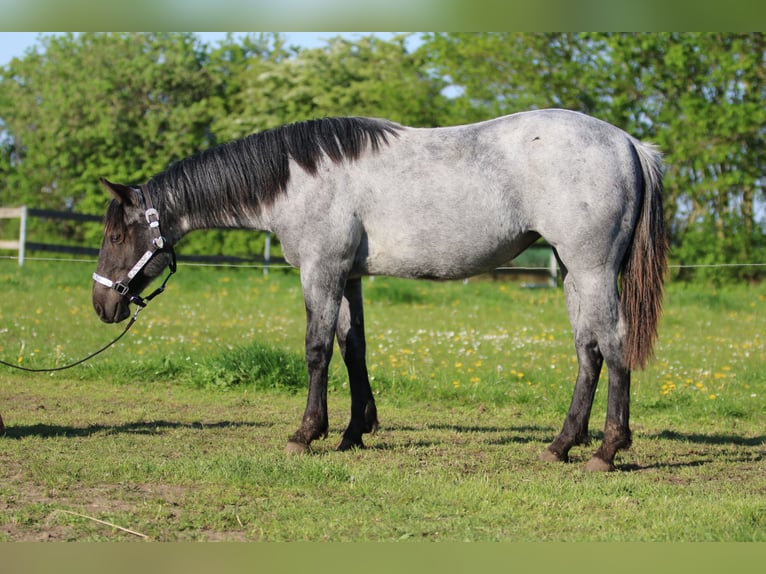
column 159, row 245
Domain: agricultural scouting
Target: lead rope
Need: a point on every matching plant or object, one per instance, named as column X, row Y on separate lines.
column 139, row 308
column 81, row 361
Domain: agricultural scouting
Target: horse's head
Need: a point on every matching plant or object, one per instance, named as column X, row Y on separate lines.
column 132, row 254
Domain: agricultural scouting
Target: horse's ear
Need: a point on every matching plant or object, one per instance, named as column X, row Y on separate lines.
column 122, row 193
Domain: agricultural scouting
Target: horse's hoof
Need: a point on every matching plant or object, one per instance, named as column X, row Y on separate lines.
column 297, row 448
column 346, row 445
column 596, row 464
column 549, row 456
column 371, row 427
column 370, row 418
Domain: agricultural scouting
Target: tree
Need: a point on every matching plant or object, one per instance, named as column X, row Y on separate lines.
column 93, row 105
column 701, row 99
column 371, row 77
column 497, row 73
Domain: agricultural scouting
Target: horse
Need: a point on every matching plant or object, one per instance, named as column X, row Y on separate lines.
column 350, row 197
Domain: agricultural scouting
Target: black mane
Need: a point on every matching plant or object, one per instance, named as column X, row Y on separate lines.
column 254, row 170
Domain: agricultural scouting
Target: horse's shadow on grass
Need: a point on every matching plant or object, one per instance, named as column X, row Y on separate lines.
column 500, row 435
column 139, row 428
column 412, row 436
column 543, row 434
column 719, row 440
column 707, row 452
column 504, row 435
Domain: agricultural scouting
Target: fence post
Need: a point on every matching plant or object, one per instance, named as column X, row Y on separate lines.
column 21, row 214
column 22, row 234
column 554, row 269
column 267, row 253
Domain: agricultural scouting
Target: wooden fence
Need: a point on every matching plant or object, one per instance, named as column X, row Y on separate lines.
column 19, row 244
column 544, row 276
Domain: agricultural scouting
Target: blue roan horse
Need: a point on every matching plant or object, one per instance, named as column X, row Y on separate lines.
column 350, row 197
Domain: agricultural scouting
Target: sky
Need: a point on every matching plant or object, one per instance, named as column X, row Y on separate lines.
column 14, row 44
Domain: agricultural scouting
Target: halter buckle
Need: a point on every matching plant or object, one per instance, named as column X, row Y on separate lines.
column 121, row 288
column 152, row 217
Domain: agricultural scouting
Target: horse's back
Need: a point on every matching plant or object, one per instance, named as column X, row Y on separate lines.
column 455, row 201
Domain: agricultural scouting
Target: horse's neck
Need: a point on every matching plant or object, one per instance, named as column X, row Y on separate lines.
column 184, row 215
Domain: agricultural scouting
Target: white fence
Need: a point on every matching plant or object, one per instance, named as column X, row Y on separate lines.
column 19, row 244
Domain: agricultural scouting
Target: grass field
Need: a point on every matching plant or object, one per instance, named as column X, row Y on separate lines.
column 178, row 432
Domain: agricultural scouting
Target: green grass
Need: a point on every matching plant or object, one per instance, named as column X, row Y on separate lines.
column 178, row 432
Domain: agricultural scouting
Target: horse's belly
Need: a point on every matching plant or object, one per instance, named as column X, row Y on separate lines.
column 431, row 254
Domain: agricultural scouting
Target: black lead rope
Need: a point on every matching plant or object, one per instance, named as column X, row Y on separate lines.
column 140, row 304
column 101, row 350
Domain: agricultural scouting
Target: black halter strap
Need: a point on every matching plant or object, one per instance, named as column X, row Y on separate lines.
column 159, row 244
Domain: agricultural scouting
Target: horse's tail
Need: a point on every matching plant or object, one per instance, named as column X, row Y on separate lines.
column 645, row 265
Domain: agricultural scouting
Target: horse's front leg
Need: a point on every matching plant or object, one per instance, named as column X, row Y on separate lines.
column 322, row 294
column 350, row 334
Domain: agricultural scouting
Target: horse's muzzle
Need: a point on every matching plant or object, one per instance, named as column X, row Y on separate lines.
column 110, row 306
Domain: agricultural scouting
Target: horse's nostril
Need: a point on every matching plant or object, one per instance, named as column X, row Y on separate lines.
column 101, row 312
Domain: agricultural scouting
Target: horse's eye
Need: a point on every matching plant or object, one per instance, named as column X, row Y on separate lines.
column 115, row 237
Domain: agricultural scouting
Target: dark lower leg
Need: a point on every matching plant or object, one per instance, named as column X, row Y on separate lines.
column 364, row 419
column 575, row 429
column 364, row 414
column 617, row 433
column 315, row 422
column 350, row 334
column 318, row 355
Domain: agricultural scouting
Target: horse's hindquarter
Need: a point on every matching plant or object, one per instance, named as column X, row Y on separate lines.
column 582, row 184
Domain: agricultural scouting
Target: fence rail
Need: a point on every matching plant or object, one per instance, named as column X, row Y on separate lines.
column 548, row 274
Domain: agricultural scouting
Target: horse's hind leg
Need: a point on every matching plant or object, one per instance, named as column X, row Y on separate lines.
column 350, row 335
column 617, row 433
column 593, row 303
column 603, row 308
column 590, row 360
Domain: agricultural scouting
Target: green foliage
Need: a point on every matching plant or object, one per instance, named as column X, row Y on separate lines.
column 367, row 77
column 79, row 107
column 700, row 98
column 101, row 105
column 504, row 72
column 257, row 365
